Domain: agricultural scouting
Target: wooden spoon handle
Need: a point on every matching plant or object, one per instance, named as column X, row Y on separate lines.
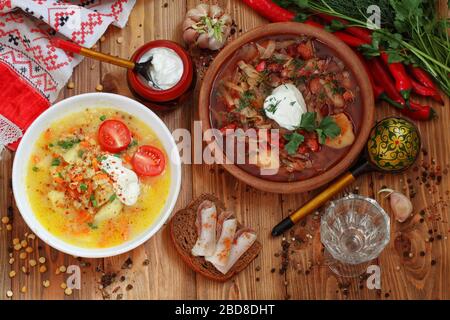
column 75, row 48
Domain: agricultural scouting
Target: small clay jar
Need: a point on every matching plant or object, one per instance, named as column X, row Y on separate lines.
column 163, row 100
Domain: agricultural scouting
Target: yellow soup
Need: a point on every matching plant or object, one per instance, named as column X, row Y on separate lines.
column 73, row 196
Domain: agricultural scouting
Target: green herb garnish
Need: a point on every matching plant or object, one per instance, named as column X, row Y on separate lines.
column 327, row 129
column 133, row 143
column 83, row 187
column 101, row 158
column 112, row 198
column 56, row 162
column 35, row 169
column 102, row 118
column 69, row 143
column 295, row 140
column 92, row 226
column 245, row 100
column 272, row 108
column 93, row 201
column 308, row 121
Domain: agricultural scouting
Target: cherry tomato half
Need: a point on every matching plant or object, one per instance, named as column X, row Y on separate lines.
column 148, row 161
column 114, row 136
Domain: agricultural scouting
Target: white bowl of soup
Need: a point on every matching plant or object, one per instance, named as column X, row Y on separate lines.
column 96, row 175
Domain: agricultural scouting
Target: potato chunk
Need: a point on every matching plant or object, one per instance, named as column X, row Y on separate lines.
column 109, row 211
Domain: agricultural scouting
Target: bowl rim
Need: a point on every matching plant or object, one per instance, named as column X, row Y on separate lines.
column 51, row 115
column 344, row 53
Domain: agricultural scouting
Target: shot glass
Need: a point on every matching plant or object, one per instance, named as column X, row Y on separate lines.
column 354, row 231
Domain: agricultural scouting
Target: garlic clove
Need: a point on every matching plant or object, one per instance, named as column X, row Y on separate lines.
column 190, row 36
column 401, row 206
column 215, row 44
column 198, row 12
column 188, row 23
column 204, row 8
column 203, row 41
column 215, row 11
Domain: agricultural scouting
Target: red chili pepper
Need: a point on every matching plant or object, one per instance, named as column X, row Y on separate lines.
column 382, row 78
column 313, row 23
column 348, row 39
column 361, row 33
column 402, row 81
column 422, row 76
column 416, row 111
column 421, row 90
column 312, row 144
column 377, row 89
column 425, row 81
column 270, row 10
column 261, row 66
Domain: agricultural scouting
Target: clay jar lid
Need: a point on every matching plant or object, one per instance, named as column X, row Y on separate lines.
column 150, row 94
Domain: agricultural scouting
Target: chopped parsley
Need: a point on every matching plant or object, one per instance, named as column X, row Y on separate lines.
column 92, row 226
column 272, row 108
column 93, row 201
column 56, row 162
column 246, row 99
column 102, row 118
column 69, row 143
column 133, row 143
column 80, row 153
column 83, row 187
column 35, row 169
column 298, row 63
column 112, row 198
column 101, row 158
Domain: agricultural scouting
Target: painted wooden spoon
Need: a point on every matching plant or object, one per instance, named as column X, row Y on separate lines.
column 142, row 68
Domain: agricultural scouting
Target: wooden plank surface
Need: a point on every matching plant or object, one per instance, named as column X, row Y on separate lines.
column 298, row 272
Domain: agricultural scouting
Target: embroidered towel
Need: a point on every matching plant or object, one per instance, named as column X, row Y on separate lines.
column 32, row 71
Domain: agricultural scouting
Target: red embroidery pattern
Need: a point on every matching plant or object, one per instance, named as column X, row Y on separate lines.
column 29, row 69
column 49, row 59
column 5, row 4
column 87, row 27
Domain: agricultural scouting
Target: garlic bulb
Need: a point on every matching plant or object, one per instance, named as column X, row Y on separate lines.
column 400, row 204
column 207, row 26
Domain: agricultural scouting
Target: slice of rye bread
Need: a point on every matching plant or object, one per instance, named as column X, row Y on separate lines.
column 183, row 233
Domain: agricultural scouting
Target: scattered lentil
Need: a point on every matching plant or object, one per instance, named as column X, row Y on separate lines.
column 68, row 291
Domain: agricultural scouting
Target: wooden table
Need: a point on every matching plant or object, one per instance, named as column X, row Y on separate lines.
column 414, row 265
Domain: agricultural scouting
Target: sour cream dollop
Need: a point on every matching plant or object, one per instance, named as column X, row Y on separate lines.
column 166, row 69
column 125, row 181
column 285, row 105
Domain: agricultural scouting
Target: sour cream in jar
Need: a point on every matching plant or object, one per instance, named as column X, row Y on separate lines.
column 166, row 69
